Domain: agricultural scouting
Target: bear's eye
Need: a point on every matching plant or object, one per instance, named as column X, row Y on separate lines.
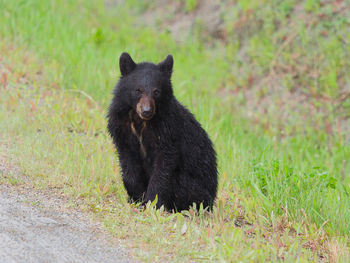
column 156, row 92
column 139, row 90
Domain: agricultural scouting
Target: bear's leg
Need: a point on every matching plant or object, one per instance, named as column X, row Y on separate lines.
column 134, row 187
column 160, row 187
column 134, row 180
column 162, row 177
column 191, row 190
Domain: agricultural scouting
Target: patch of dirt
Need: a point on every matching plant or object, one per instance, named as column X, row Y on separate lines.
column 37, row 226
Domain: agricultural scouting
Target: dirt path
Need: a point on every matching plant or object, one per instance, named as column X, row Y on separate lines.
column 37, row 227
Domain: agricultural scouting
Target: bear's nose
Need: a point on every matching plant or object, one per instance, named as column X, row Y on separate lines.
column 147, row 112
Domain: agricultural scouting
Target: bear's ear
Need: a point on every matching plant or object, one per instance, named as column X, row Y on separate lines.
column 126, row 64
column 167, row 64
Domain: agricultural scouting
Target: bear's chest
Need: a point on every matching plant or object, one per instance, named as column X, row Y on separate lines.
column 146, row 138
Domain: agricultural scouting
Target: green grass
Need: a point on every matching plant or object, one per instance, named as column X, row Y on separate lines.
column 282, row 184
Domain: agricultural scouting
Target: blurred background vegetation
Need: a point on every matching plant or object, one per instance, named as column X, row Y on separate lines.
column 285, row 62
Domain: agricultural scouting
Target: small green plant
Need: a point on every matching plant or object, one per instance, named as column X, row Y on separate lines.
column 320, row 176
column 190, row 5
column 98, row 37
column 312, row 5
column 13, row 180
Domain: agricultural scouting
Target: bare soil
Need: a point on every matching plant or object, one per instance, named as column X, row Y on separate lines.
column 37, row 226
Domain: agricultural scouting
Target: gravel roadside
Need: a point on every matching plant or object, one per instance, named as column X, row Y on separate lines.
column 37, row 227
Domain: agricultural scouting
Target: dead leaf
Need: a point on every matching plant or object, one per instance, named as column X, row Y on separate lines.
column 183, row 229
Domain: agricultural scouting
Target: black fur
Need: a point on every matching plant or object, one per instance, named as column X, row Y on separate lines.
column 169, row 155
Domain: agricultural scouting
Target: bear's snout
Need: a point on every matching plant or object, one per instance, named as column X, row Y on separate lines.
column 145, row 108
column 147, row 112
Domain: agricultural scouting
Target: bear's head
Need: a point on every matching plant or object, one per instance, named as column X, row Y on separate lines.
column 145, row 86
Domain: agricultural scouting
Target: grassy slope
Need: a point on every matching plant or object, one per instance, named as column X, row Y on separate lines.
column 55, row 138
column 270, row 182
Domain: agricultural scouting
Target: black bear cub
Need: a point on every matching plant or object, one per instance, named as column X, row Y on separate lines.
column 162, row 149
